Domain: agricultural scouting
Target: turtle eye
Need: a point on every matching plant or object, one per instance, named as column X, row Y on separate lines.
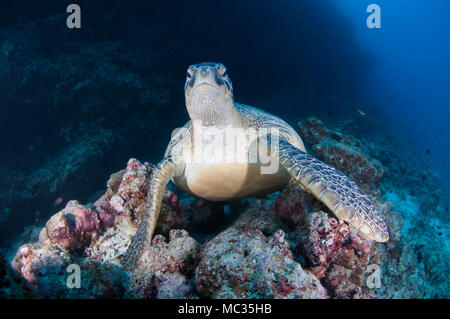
column 190, row 72
column 221, row 70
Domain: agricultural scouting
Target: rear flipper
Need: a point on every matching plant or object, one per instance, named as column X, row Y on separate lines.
column 338, row 192
column 159, row 178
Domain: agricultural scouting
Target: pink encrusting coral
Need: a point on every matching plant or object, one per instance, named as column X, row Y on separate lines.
column 165, row 267
column 72, row 228
column 323, row 238
column 333, row 251
column 243, row 263
column 132, row 189
column 126, row 197
column 292, row 205
column 31, row 261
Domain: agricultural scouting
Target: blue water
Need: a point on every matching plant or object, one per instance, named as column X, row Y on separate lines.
column 410, row 80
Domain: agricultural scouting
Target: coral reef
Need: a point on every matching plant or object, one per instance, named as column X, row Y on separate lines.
column 335, row 253
column 94, row 237
column 245, row 264
column 36, row 261
column 415, row 259
column 165, row 268
column 287, row 246
column 125, row 199
column 13, row 285
column 47, row 268
column 72, row 228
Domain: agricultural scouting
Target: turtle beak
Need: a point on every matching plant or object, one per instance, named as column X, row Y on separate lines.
column 205, row 77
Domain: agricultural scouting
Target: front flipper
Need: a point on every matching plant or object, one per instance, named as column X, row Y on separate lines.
column 159, row 178
column 338, row 192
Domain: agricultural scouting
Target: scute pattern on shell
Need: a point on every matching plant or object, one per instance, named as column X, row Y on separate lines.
column 259, row 119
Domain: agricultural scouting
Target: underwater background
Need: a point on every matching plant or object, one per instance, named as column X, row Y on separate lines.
column 77, row 104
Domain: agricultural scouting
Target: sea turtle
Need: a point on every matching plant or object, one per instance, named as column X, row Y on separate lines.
column 229, row 151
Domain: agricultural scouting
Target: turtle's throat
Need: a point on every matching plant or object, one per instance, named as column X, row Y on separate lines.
column 213, row 110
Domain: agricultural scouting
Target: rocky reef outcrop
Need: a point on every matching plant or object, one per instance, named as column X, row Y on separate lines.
column 13, row 285
column 243, row 263
column 93, row 238
column 286, row 246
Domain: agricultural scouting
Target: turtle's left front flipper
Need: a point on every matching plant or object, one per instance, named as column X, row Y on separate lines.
column 161, row 175
column 338, row 192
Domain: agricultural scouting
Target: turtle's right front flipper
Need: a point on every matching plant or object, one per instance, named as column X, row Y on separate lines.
column 338, row 192
column 159, row 178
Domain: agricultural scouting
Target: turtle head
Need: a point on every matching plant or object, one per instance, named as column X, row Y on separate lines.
column 209, row 94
